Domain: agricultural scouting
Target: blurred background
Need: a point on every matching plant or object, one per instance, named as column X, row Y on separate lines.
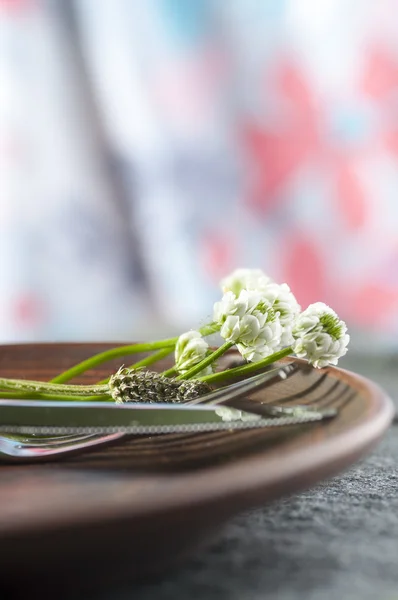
column 149, row 147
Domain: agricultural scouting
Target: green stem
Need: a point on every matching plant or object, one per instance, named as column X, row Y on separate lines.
column 146, row 362
column 246, row 369
column 24, row 385
column 120, row 351
column 154, row 358
column 206, row 361
column 170, row 372
column 55, row 397
column 209, row 329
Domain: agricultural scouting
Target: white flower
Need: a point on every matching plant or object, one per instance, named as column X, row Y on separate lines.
column 235, row 316
column 249, row 321
column 244, row 279
column 237, row 306
column 320, row 335
column 236, row 329
column 190, row 350
column 283, row 302
column 279, row 297
column 266, row 343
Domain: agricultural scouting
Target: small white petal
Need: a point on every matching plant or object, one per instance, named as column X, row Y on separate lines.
column 230, row 330
column 249, row 327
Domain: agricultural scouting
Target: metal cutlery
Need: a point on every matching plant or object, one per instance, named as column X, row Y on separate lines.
column 71, row 426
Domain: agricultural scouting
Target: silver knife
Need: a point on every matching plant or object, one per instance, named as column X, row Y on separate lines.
column 40, row 417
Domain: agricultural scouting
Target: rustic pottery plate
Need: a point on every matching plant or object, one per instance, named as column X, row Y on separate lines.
column 138, row 507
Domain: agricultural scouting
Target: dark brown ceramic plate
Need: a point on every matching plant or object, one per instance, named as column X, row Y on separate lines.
column 141, row 505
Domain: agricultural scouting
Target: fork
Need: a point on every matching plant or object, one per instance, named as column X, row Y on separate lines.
column 40, row 448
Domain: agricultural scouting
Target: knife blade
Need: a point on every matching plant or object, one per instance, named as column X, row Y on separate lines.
column 43, row 417
column 39, row 417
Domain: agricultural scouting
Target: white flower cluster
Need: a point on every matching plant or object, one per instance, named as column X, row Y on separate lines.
column 285, row 304
column 262, row 317
column 255, row 313
column 250, row 323
column 320, row 336
column 190, row 350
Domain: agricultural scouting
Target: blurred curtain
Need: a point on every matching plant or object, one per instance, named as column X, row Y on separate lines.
column 150, row 146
